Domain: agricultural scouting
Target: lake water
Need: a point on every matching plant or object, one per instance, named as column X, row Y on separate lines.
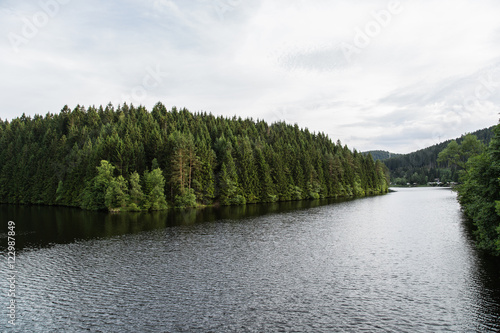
column 402, row 262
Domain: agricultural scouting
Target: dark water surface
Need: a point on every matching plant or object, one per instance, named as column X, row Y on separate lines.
column 403, row 262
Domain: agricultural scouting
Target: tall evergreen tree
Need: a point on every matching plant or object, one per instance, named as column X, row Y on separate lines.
column 136, row 194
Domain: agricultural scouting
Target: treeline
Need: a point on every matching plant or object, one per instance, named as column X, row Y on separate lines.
column 479, row 193
column 128, row 158
column 422, row 166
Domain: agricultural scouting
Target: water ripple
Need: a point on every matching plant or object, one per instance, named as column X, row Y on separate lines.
column 365, row 265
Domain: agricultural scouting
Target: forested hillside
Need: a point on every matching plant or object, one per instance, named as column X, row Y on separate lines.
column 421, row 166
column 128, row 158
column 380, row 154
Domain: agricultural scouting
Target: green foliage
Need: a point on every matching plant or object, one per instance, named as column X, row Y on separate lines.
column 136, row 196
column 479, row 195
column 116, row 196
column 425, row 164
column 154, row 190
column 183, row 165
column 94, row 197
column 133, row 207
column 357, row 188
column 127, row 158
column 450, row 155
column 455, row 155
column 229, row 188
column 266, row 188
column 188, row 199
column 59, row 192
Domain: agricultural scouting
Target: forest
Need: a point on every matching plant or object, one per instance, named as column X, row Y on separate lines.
column 130, row 159
column 421, row 167
column 479, row 192
column 381, row 154
column 478, row 167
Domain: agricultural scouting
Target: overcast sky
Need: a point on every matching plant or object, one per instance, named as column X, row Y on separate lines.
column 391, row 75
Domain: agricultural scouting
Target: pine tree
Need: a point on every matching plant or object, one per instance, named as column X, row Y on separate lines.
column 247, row 171
column 53, row 160
column 266, row 189
column 136, row 194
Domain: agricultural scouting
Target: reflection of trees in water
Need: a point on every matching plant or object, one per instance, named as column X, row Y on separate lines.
column 41, row 226
column 484, row 282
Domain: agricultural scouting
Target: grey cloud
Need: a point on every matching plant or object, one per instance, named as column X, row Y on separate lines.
column 93, row 52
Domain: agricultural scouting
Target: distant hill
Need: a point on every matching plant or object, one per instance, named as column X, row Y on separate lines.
column 380, row 154
column 421, row 166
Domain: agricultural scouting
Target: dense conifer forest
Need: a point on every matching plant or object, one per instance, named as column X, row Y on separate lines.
column 127, row 158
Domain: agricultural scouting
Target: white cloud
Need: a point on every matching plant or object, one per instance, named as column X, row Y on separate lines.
column 417, row 74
